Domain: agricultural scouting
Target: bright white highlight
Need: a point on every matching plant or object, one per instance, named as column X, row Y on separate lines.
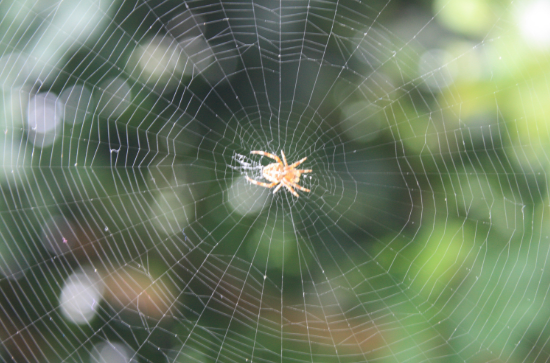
column 534, row 23
column 245, row 201
column 110, row 352
column 44, row 114
column 80, row 297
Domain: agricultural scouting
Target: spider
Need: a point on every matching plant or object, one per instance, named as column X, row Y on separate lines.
column 281, row 174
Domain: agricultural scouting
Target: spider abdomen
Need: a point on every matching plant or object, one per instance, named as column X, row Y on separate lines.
column 273, row 172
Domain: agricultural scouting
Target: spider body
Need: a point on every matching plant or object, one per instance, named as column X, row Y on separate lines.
column 281, row 174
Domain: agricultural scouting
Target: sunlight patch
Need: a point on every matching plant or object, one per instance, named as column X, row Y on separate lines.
column 80, row 297
column 44, row 115
column 534, row 23
column 244, row 200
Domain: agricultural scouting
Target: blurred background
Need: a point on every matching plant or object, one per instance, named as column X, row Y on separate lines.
column 128, row 230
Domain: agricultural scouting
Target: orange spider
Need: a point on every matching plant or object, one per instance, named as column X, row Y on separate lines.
column 281, row 174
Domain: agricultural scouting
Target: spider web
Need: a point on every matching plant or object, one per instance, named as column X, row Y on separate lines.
column 130, row 233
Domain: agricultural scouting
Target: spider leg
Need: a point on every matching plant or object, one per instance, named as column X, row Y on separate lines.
column 284, row 157
column 305, row 171
column 277, row 188
column 291, row 190
column 298, row 163
column 267, row 185
column 300, row 187
column 274, row 157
